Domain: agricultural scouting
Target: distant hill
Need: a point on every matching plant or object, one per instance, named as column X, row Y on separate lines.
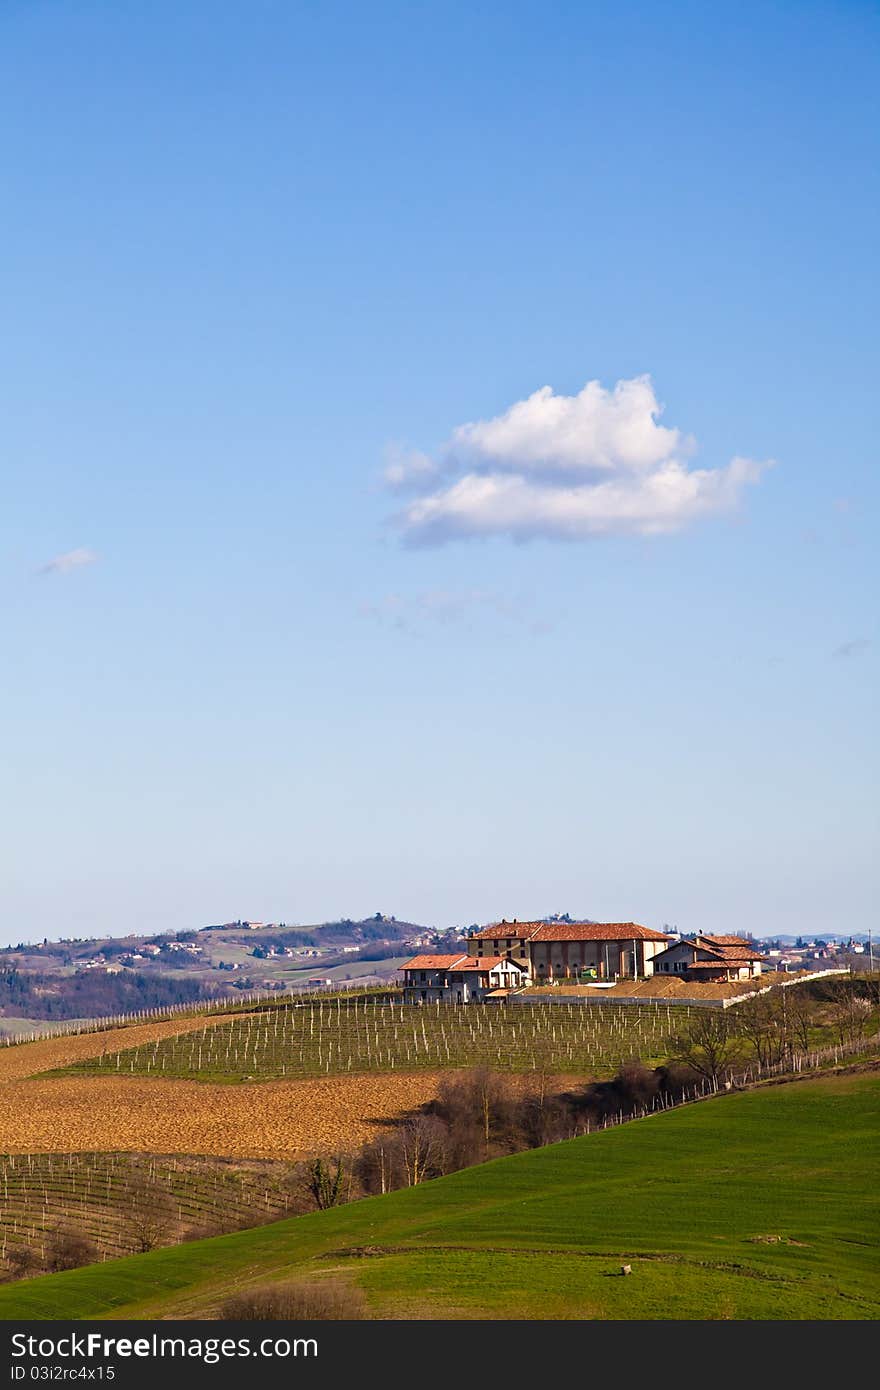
column 340, row 931
column 57, row 998
column 76, row 978
column 344, row 931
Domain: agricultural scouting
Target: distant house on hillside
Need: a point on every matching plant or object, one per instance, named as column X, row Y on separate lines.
column 459, row 979
column 710, row 958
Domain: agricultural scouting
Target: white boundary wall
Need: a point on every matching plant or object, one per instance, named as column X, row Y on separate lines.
column 551, row 996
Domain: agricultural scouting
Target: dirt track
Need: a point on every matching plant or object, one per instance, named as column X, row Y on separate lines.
column 273, row 1119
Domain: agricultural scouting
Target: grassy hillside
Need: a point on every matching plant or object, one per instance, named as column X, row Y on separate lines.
column 755, row 1205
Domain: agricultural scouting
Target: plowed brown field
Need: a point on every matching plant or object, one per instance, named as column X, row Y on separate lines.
column 269, row 1119
column 272, row 1119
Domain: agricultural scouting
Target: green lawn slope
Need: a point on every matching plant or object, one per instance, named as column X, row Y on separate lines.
column 756, row 1205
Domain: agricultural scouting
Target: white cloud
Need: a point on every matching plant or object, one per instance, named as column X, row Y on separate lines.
column 594, row 432
column 566, row 467
column 70, row 560
column 410, row 471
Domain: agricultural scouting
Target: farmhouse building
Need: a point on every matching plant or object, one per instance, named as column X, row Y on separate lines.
column 710, row 958
column 571, row 950
column 459, row 979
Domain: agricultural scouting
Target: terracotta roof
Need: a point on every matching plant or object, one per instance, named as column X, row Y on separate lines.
column 431, row 962
column 728, row 941
column 721, row 949
column 597, row 931
column 570, row 931
column 508, row 929
column 483, row 963
column 741, row 951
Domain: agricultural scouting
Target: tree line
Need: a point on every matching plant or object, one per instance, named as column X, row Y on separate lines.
column 93, row 993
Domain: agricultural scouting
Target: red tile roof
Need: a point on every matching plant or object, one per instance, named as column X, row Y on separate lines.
column 431, row 962
column 740, row 941
column 482, row 963
column 508, row 929
column 570, row 931
column 597, row 931
column 728, row 948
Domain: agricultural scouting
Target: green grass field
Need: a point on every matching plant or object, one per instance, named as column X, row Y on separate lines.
column 762, row 1204
column 350, row 1036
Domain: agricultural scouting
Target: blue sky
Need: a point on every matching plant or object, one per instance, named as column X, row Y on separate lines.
column 256, row 255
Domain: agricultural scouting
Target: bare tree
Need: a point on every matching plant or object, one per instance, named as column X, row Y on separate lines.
column 708, row 1045
column 421, row 1142
column 851, row 1013
column 70, row 1250
column 481, row 1100
column 148, row 1212
column 378, row 1164
column 799, row 1014
column 23, row 1261
column 324, row 1184
column 760, row 1020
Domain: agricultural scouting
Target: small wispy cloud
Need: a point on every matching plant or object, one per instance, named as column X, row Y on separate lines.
column 444, row 607
column 70, row 560
column 561, row 467
column 849, row 649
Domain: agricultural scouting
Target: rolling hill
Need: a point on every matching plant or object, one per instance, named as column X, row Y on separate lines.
column 761, row 1204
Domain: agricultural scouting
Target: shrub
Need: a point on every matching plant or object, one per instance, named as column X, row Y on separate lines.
column 22, row 1261
column 327, row 1301
column 70, row 1250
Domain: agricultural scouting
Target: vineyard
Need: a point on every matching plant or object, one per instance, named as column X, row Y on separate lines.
column 17, row 1031
column 120, row 1202
column 351, row 1036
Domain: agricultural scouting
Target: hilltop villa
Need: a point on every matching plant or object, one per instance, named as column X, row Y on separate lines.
column 508, row 955
column 568, row 950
